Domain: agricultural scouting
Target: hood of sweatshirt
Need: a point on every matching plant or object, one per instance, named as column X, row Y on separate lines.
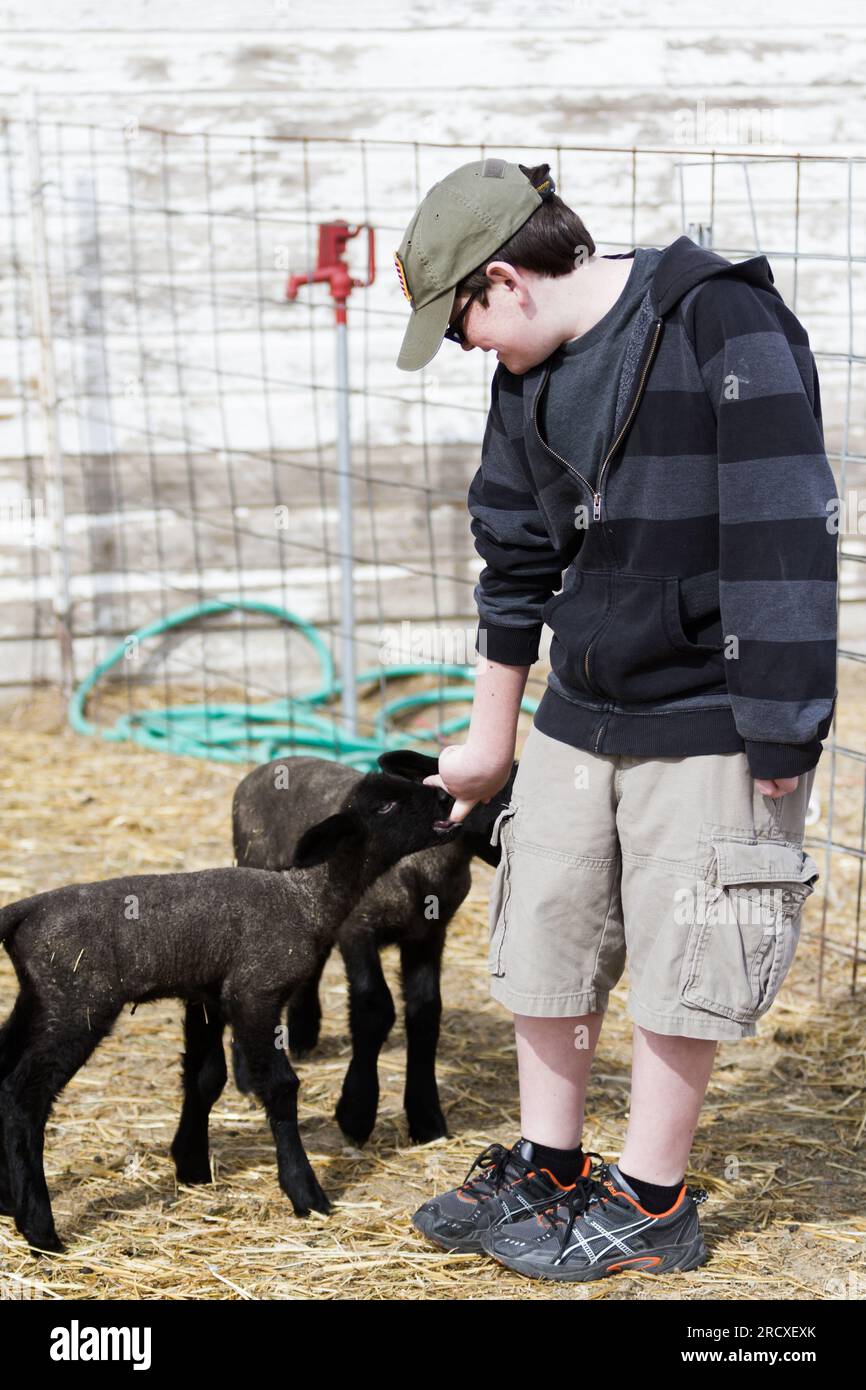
column 684, row 264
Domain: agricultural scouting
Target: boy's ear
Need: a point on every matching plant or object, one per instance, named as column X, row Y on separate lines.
column 317, row 844
column 409, row 763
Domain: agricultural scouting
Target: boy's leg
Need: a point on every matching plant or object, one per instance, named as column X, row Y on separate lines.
column 714, row 878
column 557, row 944
column 554, row 1057
column 669, row 1078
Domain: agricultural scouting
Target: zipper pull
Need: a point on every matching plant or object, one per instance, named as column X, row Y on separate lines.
column 596, row 506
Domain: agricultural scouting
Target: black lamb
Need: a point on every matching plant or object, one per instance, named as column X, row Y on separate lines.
column 410, row 906
column 233, row 943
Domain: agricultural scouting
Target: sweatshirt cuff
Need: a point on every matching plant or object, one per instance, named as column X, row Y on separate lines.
column 510, row 646
column 770, row 760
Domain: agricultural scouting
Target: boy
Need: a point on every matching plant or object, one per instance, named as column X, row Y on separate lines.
column 655, row 432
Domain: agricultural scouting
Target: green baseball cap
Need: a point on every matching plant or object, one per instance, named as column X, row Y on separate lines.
column 462, row 221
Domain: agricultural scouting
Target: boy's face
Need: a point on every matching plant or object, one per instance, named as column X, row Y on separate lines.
column 517, row 323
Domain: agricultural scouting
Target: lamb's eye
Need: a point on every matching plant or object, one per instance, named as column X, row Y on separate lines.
column 387, row 808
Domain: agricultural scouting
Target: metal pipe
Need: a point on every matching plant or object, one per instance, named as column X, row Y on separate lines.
column 348, row 702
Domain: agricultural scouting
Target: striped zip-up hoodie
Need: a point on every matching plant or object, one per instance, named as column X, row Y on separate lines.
column 697, row 611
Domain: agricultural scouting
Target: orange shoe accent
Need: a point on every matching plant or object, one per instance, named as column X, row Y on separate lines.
column 646, row 1261
column 563, row 1186
column 643, row 1210
column 566, row 1187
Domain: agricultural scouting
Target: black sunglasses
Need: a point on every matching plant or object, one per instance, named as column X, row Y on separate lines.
column 454, row 331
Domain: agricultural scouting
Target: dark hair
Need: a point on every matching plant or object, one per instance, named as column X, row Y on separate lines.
column 548, row 242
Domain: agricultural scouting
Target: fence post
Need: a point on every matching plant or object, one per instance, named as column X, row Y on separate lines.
column 349, row 695
column 93, row 391
column 51, row 444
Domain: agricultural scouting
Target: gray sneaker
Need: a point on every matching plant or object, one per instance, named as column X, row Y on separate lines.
column 599, row 1228
column 508, row 1187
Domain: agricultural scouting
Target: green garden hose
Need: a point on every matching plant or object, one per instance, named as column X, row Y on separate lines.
column 240, row 733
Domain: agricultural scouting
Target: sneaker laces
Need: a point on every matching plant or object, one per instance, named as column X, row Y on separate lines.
column 494, row 1161
column 595, row 1188
column 578, row 1200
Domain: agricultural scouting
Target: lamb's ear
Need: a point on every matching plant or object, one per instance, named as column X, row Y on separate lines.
column 408, row 762
column 319, row 842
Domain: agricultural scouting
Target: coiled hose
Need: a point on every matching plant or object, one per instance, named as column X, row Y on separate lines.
column 241, row 733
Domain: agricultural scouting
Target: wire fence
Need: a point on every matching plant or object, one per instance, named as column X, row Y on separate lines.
column 219, row 513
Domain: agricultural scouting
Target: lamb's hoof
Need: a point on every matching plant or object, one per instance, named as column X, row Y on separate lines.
column 44, row 1242
column 193, row 1173
column 191, row 1163
column 311, row 1199
column 6, row 1207
column 424, row 1129
column 355, row 1121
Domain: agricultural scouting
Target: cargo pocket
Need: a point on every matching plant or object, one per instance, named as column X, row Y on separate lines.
column 500, row 889
column 745, row 926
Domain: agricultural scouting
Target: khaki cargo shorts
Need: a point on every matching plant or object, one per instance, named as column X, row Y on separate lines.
column 677, row 866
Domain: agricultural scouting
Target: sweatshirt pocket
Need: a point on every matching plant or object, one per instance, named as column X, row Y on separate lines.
column 621, row 636
column 575, row 617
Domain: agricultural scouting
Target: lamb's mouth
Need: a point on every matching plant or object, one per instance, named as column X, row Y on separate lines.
column 443, row 825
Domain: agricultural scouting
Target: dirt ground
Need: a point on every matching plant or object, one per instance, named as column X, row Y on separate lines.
column 780, row 1144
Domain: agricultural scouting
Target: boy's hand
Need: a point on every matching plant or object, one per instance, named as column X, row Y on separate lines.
column 466, row 777
column 776, row 786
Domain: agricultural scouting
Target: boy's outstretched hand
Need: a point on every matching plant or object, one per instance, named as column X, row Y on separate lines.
column 466, row 776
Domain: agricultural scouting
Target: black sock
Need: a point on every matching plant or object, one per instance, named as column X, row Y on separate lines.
column 654, row 1198
column 564, row 1164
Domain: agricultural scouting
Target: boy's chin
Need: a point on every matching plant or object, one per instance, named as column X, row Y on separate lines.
column 514, row 367
column 518, row 365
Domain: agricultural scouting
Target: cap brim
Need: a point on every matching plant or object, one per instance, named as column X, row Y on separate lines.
column 423, row 336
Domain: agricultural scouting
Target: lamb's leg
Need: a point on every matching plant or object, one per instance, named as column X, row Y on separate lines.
column 421, row 964
column 30, row 1202
column 240, row 1069
column 12, row 1036
column 371, row 1017
column 305, row 1012
column 276, row 1085
column 47, row 1062
column 304, row 1020
column 204, row 1076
